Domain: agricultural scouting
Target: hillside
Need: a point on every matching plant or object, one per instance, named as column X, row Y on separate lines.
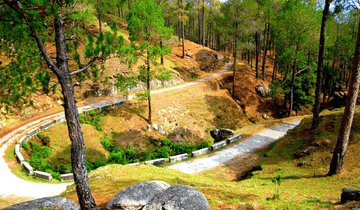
column 187, row 116
column 301, row 187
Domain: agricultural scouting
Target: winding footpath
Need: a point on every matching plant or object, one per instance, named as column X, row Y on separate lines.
column 257, row 141
column 10, row 184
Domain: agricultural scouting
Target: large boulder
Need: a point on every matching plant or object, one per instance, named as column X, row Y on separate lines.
column 136, row 196
column 262, row 90
column 208, row 60
column 350, row 194
column 221, row 134
column 178, row 197
column 48, row 202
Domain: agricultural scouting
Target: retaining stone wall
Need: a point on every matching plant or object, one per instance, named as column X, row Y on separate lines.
column 115, row 103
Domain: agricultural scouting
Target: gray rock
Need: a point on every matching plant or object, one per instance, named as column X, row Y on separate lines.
column 136, row 196
column 221, row 134
column 178, row 197
column 161, row 130
column 155, row 126
column 265, row 116
column 350, row 194
column 262, row 90
column 149, row 127
column 48, row 202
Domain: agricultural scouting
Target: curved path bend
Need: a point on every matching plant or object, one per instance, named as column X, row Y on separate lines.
column 257, row 141
column 10, row 184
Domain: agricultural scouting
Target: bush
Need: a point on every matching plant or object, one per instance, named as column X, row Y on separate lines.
column 130, row 154
column 165, row 142
column 164, row 152
column 99, row 163
column 89, row 166
column 203, row 144
column 117, row 157
column 25, row 145
column 106, row 142
column 64, row 168
column 45, row 140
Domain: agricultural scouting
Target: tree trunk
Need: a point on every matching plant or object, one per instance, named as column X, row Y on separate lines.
column 256, row 54
column 292, row 89
column 235, row 56
column 99, row 23
column 316, row 117
column 81, row 179
column 183, row 31
column 162, row 56
column 203, row 24
column 348, row 116
column 148, row 85
column 265, row 50
column 199, row 21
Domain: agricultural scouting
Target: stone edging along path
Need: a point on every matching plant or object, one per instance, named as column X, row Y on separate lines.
column 257, row 141
column 13, row 185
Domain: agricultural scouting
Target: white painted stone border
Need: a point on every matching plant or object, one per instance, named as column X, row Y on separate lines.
column 115, row 103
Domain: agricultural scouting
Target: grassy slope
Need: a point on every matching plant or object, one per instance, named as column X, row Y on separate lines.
column 301, row 187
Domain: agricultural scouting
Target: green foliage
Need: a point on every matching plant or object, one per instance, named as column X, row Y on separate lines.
column 39, row 153
column 165, row 142
column 94, row 118
column 203, row 144
column 117, row 156
column 25, row 145
column 106, row 142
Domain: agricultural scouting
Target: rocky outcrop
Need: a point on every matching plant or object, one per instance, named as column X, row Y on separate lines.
column 48, row 202
column 263, row 90
column 178, row 197
column 221, row 134
column 350, row 194
column 158, row 195
column 136, row 196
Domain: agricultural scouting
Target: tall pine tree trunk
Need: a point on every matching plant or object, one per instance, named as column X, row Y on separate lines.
column 148, row 85
column 182, row 31
column 203, row 24
column 316, row 117
column 265, row 49
column 337, row 161
column 235, row 57
column 256, row 54
column 199, row 21
column 81, row 179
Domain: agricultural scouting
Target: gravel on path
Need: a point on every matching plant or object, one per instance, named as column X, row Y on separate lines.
column 257, row 141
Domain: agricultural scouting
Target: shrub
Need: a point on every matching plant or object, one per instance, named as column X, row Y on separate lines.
column 165, row 142
column 106, row 142
column 99, row 163
column 130, row 154
column 117, row 157
column 164, row 152
column 89, row 166
column 25, row 145
column 64, row 168
column 203, row 144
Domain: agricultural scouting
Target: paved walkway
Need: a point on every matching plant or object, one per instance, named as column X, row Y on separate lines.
column 257, row 141
column 10, row 184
